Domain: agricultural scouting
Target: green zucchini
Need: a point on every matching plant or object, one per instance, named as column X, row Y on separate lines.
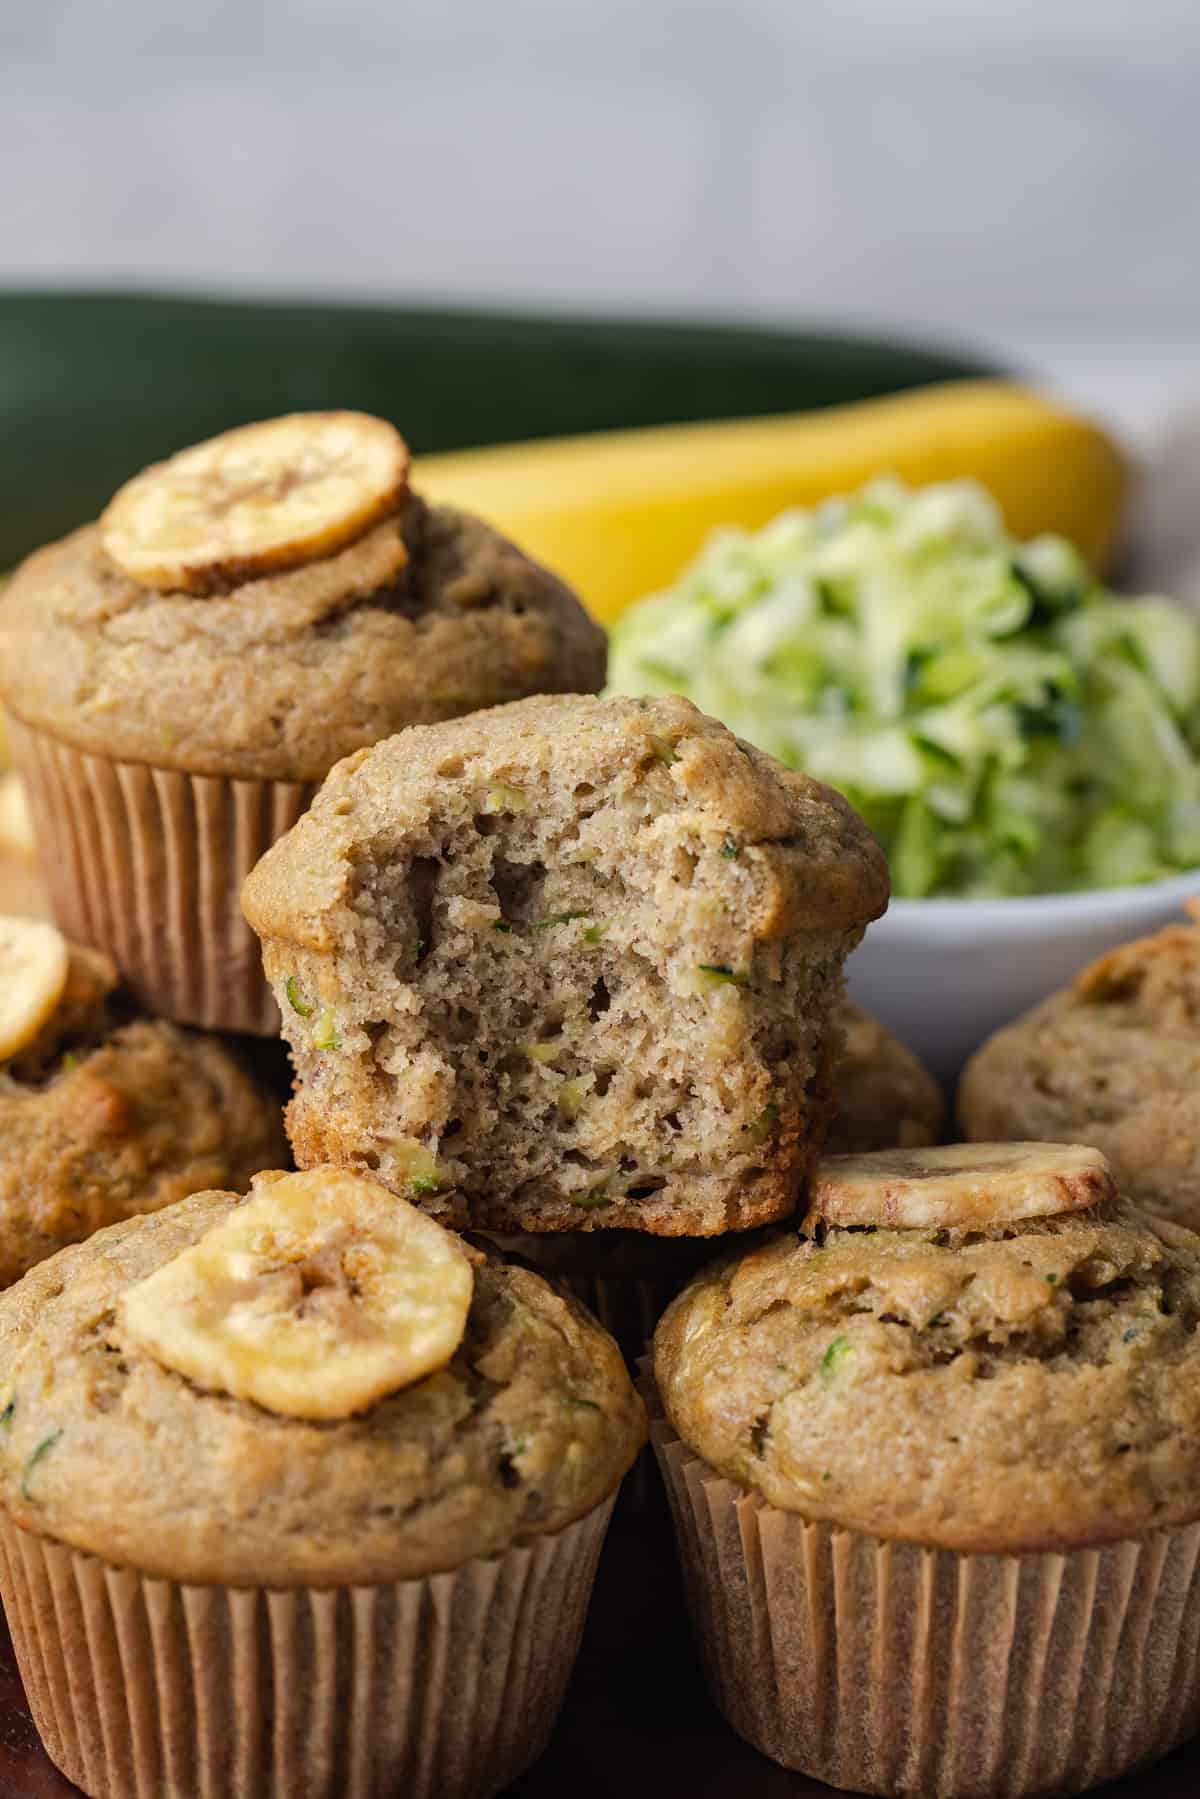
column 96, row 385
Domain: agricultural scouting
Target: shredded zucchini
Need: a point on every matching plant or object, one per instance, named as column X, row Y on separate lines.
column 1004, row 723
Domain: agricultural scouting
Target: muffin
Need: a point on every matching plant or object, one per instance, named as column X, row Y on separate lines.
column 567, row 965
column 1113, row 1061
column 625, row 1277
column 885, row 1098
column 22, row 889
column 935, row 1469
column 104, row 1114
column 181, row 675
column 356, row 1476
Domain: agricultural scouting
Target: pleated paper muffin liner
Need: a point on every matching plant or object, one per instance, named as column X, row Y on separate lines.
column 148, row 863
column 885, row 1667
column 445, row 1687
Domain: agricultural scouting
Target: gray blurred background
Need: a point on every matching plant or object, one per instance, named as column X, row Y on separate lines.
column 1018, row 174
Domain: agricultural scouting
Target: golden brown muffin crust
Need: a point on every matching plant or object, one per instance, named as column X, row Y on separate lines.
column 1026, row 1388
column 106, row 1115
column 427, row 616
column 532, row 1424
column 1114, row 1062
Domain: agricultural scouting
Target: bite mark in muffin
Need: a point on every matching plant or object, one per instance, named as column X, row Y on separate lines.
column 523, row 982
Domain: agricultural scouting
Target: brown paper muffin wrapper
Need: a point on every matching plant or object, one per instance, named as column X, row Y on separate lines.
column 890, row 1668
column 445, row 1687
column 148, row 864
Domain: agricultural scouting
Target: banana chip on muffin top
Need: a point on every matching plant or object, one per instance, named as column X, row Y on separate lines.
column 313, row 1383
column 265, row 602
column 990, row 1352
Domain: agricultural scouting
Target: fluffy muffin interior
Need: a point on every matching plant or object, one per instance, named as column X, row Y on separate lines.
column 547, row 1056
column 556, row 997
column 1027, row 1387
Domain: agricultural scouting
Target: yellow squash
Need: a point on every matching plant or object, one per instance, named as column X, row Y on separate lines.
column 619, row 513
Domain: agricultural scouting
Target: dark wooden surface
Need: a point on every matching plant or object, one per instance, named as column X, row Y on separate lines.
column 637, row 1719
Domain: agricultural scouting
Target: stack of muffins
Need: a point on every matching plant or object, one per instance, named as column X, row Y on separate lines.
column 288, row 1477
column 304, row 1475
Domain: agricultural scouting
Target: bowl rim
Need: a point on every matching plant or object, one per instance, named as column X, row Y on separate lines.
column 1083, row 900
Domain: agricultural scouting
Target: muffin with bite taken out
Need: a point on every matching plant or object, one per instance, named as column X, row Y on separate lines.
column 568, row 965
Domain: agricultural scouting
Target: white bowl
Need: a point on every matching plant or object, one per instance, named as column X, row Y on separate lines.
column 945, row 973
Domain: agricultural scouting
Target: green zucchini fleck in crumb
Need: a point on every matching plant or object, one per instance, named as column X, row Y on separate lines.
column 721, row 973
column 424, row 1183
column 294, row 1000
column 575, row 1404
column 545, row 924
column 43, row 1449
column 502, row 925
column 1052, row 1280
column 6, row 1416
column 594, row 1196
column 596, row 933
column 835, row 1355
column 570, row 1097
column 730, row 850
column 70, row 1061
column 326, row 1035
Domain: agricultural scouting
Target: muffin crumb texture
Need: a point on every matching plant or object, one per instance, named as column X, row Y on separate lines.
column 1026, row 1387
column 530, row 1424
column 1113, row 1061
column 567, row 965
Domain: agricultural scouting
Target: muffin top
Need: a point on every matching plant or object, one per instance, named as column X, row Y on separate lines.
column 103, row 1113
column 1114, row 1061
column 885, row 1097
column 274, row 663
column 797, row 857
column 1030, row 1382
column 302, row 1387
